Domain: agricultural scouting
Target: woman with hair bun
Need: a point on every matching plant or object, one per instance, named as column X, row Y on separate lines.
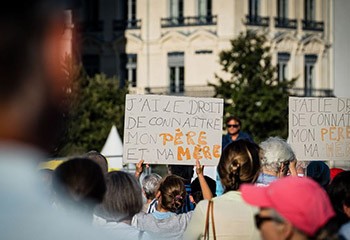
column 233, row 218
column 164, row 223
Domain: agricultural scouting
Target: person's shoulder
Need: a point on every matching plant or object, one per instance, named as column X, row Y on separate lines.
column 345, row 231
column 225, row 137
column 203, row 205
column 245, row 136
column 184, row 216
column 142, row 215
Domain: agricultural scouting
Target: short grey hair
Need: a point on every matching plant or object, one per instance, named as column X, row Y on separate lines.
column 275, row 151
column 150, row 184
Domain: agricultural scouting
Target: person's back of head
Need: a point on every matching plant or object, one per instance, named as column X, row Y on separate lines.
column 239, row 163
column 172, row 193
column 184, row 171
column 80, row 180
column 123, row 198
column 275, row 152
column 99, row 159
column 79, row 183
column 197, row 190
column 339, row 193
column 30, row 71
column 319, row 172
column 150, row 184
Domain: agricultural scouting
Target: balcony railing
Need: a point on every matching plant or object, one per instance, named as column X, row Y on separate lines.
column 306, row 92
column 313, row 25
column 91, row 26
column 119, row 25
column 285, row 23
column 188, row 21
column 192, row 91
column 255, row 20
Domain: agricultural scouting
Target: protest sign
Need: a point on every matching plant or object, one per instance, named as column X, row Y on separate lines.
column 172, row 130
column 319, row 128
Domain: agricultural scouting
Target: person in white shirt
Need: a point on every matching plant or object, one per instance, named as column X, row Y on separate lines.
column 233, row 218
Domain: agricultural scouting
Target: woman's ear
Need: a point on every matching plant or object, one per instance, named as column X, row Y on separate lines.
column 287, row 230
column 158, row 195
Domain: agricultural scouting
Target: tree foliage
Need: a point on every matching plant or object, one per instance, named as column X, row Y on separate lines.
column 95, row 104
column 253, row 92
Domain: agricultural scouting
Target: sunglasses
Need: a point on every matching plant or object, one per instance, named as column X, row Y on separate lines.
column 233, row 125
column 259, row 220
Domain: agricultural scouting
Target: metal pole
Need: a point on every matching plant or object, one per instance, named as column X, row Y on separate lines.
column 147, row 47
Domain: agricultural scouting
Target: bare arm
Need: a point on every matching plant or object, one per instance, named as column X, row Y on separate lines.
column 139, row 169
column 207, row 194
column 293, row 168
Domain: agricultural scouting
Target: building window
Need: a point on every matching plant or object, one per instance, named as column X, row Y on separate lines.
column 282, row 66
column 253, row 17
column 282, row 9
column 91, row 11
column 309, row 22
column 132, row 21
column 204, row 8
column 204, row 11
column 254, row 8
column 131, row 67
column 309, row 74
column 176, row 72
column 126, row 16
column 176, row 11
column 91, row 64
column 91, row 22
column 282, row 20
column 309, row 10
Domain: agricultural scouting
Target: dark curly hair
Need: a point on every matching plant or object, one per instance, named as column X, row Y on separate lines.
column 172, row 191
column 239, row 163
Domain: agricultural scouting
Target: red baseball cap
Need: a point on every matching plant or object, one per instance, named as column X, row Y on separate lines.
column 301, row 201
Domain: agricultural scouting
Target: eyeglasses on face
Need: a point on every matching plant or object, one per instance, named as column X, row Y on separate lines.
column 259, row 220
column 233, row 125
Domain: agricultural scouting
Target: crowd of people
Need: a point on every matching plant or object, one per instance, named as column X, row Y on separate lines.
column 260, row 191
column 263, row 191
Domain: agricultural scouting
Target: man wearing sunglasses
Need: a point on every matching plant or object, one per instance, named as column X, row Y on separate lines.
column 291, row 208
column 234, row 133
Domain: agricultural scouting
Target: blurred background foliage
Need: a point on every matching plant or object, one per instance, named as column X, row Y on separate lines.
column 252, row 92
column 95, row 103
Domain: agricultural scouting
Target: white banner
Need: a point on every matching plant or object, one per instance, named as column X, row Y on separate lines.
column 319, row 128
column 172, row 130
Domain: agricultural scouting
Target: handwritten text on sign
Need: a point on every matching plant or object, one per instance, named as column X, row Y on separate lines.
column 319, row 128
column 172, row 130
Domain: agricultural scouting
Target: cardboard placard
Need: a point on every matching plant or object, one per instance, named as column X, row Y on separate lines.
column 172, row 130
column 319, row 128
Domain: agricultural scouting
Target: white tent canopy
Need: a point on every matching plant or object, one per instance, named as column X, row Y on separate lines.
column 113, row 149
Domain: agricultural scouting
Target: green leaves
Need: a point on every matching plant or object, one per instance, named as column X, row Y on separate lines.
column 253, row 93
column 96, row 103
